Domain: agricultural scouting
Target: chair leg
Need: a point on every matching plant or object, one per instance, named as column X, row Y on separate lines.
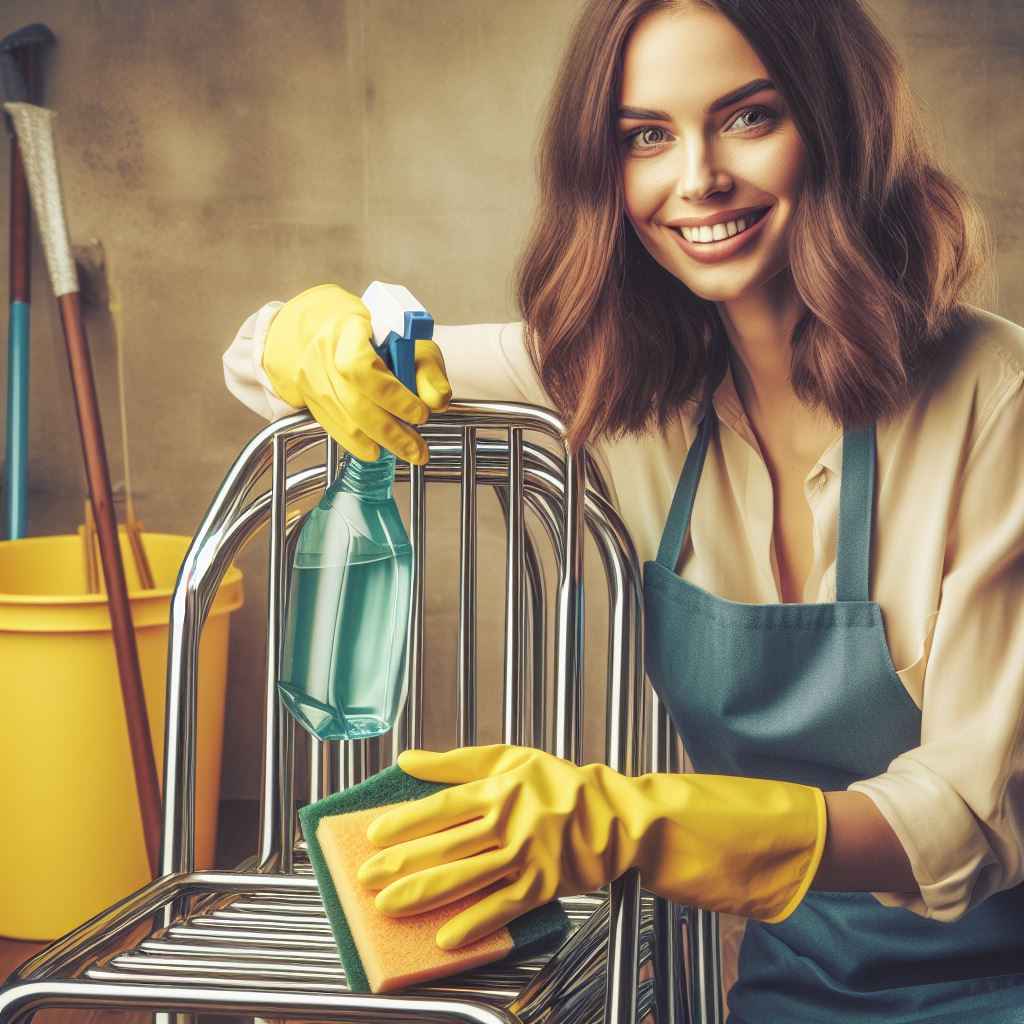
column 174, row 1018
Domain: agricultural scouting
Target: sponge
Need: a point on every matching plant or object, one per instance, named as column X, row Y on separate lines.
column 379, row 953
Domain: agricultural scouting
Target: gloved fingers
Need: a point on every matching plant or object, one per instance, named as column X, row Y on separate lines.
column 451, row 844
column 435, row 887
column 358, row 363
column 429, row 814
column 385, row 429
column 432, row 383
column 347, row 409
column 492, row 912
column 463, row 764
column 339, row 425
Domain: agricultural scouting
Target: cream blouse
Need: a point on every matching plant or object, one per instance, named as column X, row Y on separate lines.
column 947, row 570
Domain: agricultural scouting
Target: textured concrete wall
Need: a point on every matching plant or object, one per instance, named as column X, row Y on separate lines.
column 232, row 151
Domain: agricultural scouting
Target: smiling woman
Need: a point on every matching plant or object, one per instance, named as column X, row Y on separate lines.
column 669, row 118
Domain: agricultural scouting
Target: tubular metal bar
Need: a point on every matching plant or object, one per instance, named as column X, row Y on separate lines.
column 669, row 977
column 467, row 592
column 623, row 752
column 543, row 721
column 623, row 948
column 275, row 812
column 537, row 734
column 418, row 520
column 282, row 847
column 20, row 1002
column 533, row 622
column 356, row 763
column 569, row 619
column 705, row 967
column 512, row 717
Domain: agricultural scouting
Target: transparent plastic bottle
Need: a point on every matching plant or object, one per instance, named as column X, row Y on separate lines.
column 343, row 663
column 344, row 653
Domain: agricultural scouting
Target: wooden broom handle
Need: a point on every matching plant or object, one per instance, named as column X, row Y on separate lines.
column 98, row 477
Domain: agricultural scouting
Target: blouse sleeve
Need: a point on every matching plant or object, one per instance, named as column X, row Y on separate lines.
column 485, row 361
column 243, row 367
column 956, row 802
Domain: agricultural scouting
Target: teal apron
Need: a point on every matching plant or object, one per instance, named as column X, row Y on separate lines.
column 808, row 693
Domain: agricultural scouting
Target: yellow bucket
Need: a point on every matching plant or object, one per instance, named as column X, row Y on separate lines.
column 69, row 817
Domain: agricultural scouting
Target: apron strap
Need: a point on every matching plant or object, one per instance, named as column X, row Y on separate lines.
column 856, row 506
column 678, row 522
column 856, row 503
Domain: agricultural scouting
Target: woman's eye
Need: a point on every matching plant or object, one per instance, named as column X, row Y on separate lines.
column 766, row 117
column 632, row 139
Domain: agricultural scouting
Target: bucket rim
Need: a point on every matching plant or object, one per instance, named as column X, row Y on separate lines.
column 232, row 577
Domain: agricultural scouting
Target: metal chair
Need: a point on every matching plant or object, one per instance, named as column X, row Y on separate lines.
column 254, row 941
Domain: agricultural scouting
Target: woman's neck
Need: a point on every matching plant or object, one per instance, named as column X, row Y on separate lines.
column 759, row 327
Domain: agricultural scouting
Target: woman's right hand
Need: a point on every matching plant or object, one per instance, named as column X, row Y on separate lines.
column 319, row 354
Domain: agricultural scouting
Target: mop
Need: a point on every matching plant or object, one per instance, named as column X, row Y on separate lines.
column 34, row 128
column 19, row 68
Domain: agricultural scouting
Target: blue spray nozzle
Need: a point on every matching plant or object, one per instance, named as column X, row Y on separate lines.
column 418, row 324
column 399, row 351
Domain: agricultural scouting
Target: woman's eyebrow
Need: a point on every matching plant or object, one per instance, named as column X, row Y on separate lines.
column 756, row 85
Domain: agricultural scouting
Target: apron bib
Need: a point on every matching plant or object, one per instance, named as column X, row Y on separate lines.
column 808, row 693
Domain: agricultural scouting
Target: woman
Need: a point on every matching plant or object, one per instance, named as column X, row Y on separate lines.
column 746, row 292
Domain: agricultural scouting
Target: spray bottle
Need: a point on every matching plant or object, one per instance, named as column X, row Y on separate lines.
column 343, row 663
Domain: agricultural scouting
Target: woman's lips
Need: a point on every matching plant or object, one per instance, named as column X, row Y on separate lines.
column 715, row 252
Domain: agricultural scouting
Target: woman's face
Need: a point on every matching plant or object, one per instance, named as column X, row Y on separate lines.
column 691, row 154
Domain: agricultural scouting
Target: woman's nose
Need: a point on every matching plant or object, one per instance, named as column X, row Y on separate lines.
column 697, row 173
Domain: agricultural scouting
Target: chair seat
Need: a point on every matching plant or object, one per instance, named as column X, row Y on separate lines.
column 284, row 941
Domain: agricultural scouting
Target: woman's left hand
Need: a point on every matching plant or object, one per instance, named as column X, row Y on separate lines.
column 517, row 816
column 537, row 827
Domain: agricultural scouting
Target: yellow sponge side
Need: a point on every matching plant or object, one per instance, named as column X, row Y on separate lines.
column 395, row 952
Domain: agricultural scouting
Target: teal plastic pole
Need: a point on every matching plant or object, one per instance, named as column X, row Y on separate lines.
column 19, row 78
column 16, row 454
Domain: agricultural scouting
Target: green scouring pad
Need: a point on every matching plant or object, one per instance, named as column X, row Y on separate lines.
column 382, row 954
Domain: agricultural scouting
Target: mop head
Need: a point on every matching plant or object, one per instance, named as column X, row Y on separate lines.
column 379, row 953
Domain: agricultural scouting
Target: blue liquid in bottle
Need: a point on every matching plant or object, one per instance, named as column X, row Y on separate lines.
column 343, row 663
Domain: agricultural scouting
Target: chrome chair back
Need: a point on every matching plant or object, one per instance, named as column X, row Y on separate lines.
column 255, row 940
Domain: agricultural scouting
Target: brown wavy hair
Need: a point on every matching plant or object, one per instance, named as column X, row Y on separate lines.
column 883, row 250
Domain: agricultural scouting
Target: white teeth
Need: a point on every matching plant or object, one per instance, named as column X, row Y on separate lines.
column 717, row 232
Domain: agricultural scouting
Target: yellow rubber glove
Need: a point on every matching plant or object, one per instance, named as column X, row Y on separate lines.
column 545, row 827
column 319, row 354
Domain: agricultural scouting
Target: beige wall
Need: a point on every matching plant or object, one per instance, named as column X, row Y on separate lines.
column 230, row 152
